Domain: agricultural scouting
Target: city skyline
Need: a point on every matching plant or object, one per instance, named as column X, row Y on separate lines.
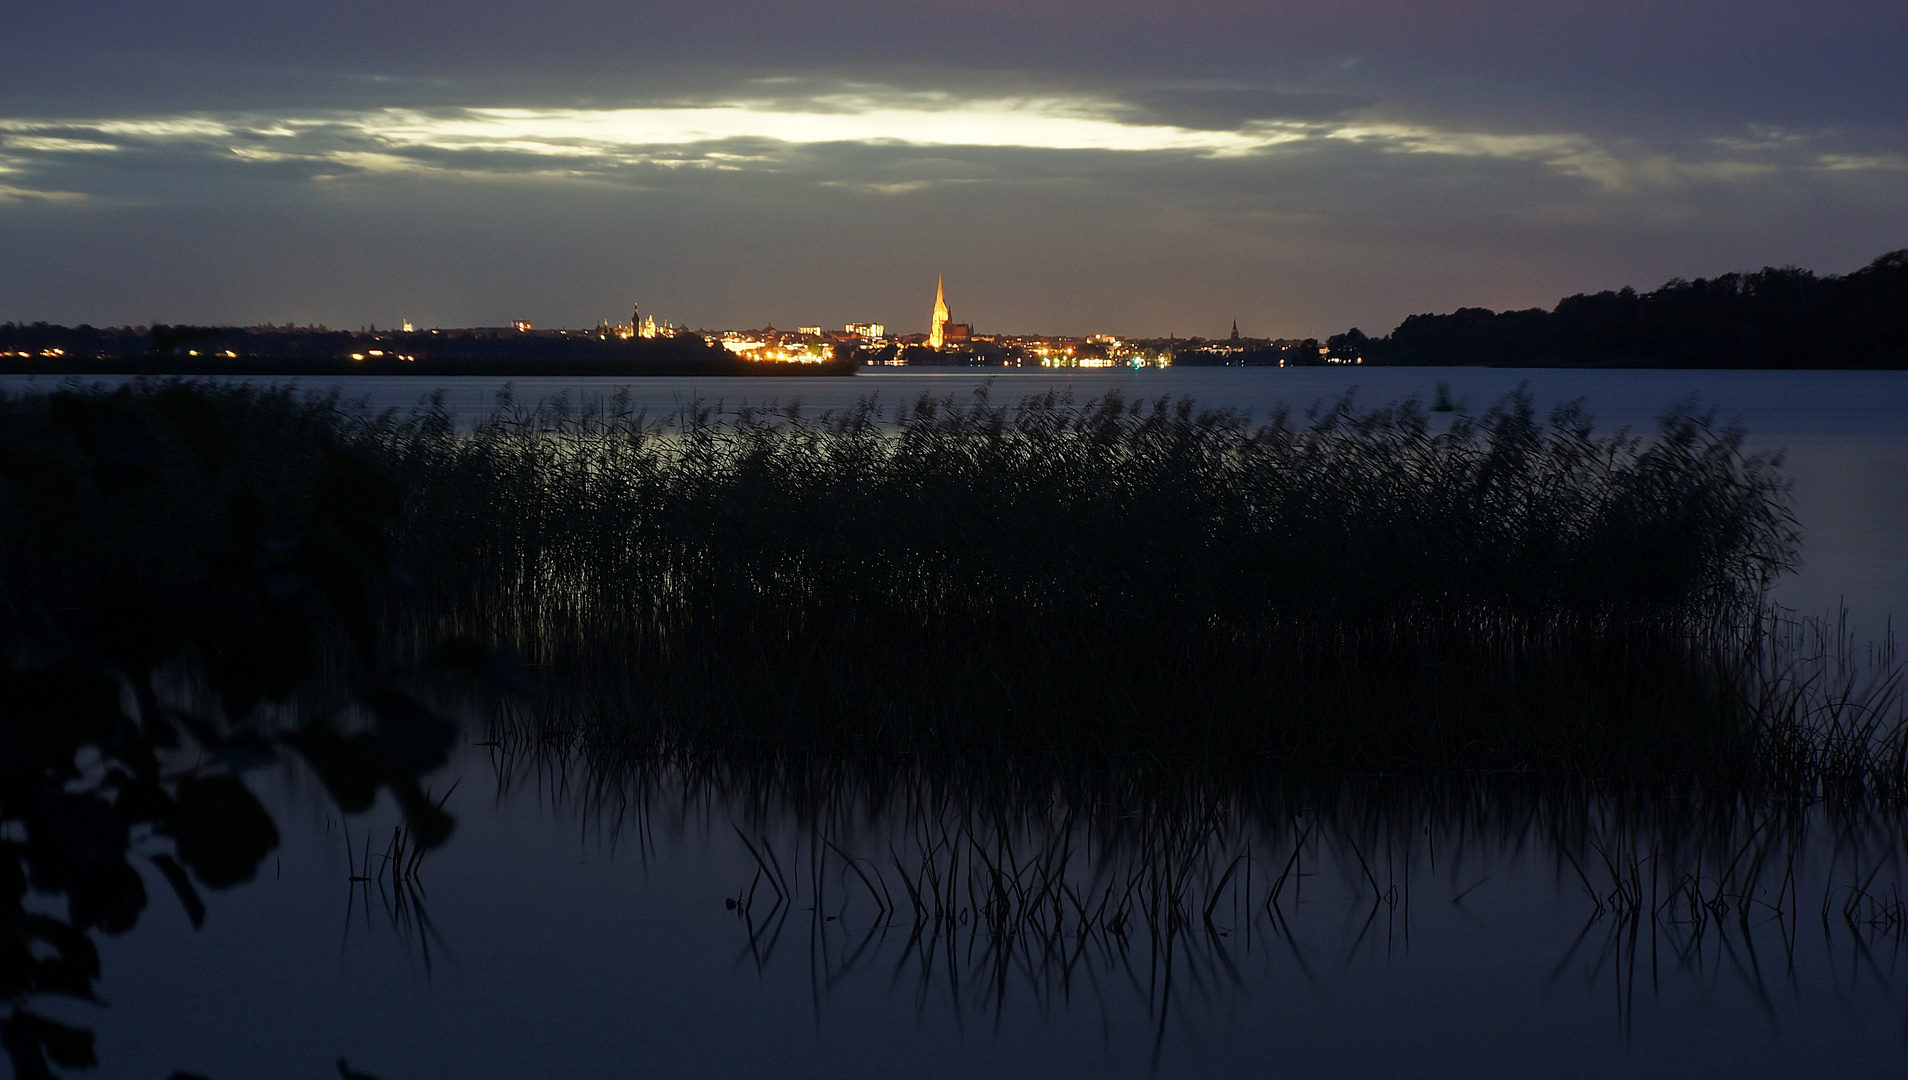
column 1144, row 170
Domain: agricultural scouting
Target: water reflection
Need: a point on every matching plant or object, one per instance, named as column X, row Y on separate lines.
column 386, row 887
column 995, row 895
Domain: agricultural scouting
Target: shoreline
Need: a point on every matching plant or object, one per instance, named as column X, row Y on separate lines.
column 717, row 367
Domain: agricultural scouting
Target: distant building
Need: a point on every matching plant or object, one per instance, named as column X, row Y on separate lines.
column 808, row 331
column 866, row 329
column 644, row 326
column 956, row 333
column 937, row 324
column 521, row 326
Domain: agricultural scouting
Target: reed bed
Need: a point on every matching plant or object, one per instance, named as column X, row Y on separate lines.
column 1041, row 694
column 136, row 485
column 1368, row 588
column 1141, row 582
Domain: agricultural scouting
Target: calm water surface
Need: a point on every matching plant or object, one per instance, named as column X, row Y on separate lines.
column 574, row 936
column 576, row 925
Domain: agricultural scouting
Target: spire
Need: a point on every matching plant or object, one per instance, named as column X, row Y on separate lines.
column 939, row 319
column 1235, row 329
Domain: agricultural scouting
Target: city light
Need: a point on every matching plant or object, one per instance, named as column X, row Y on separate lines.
column 858, row 343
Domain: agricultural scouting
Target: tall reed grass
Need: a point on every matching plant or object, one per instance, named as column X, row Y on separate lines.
column 1356, row 589
column 1370, row 588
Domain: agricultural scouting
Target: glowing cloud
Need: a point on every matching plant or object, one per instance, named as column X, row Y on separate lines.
column 1052, row 125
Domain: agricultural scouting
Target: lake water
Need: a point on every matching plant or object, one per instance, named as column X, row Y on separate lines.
column 576, row 924
column 569, row 937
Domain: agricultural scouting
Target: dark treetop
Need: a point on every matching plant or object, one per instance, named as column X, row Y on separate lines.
column 1773, row 318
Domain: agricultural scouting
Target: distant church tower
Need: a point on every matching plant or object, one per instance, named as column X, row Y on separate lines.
column 939, row 320
column 1235, row 331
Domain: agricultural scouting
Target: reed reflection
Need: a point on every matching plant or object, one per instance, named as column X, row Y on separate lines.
column 995, row 890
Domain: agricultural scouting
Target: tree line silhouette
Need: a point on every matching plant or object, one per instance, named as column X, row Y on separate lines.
column 226, row 350
column 1776, row 317
column 1783, row 317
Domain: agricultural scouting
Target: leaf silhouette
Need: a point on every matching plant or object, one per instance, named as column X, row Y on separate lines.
column 222, row 830
column 351, row 766
column 182, row 885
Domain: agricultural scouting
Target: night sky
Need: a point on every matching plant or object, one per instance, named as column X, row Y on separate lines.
column 1132, row 168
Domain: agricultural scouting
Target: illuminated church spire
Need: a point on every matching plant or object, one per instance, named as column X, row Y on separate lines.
column 939, row 320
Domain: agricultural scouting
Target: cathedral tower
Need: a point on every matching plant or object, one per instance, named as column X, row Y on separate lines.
column 938, row 323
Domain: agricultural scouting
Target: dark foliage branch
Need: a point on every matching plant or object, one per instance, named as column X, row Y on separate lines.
column 148, row 546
